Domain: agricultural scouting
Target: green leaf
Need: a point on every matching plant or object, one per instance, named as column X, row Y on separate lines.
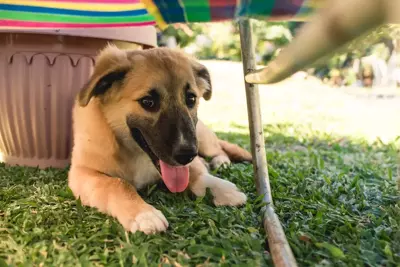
column 388, row 250
column 335, row 251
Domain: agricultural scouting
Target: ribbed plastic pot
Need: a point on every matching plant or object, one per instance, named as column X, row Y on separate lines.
column 40, row 74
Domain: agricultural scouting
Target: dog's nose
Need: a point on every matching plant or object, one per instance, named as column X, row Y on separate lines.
column 185, row 155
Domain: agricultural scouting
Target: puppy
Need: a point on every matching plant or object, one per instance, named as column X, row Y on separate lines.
column 134, row 123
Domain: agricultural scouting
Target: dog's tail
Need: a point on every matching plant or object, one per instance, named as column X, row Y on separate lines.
column 235, row 152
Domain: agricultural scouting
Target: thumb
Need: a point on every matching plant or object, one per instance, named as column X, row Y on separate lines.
column 273, row 73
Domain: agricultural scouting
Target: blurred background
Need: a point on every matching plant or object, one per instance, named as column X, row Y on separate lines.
column 370, row 61
column 354, row 91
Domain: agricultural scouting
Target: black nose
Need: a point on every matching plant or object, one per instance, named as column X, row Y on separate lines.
column 185, row 155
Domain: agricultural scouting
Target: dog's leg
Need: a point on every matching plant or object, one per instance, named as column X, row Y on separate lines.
column 225, row 193
column 221, row 152
column 209, row 146
column 116, row 197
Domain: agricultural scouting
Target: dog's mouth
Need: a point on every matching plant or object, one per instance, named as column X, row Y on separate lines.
column 176, row 178
column 139, row 138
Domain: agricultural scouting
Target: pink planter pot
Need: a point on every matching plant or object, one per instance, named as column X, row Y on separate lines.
column 40, row 74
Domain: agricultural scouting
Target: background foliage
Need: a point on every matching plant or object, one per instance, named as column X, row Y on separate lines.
column 221, row 41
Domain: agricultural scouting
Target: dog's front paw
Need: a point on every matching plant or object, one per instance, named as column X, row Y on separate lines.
column 224, row 192
column 218, row 161
column 227, row 194
column 149, row 221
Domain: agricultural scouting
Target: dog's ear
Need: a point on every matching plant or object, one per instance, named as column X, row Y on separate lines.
column 99, row 85
column 112, row 65
column 203, row 79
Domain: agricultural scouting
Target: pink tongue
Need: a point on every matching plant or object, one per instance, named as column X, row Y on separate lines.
column 175, row 178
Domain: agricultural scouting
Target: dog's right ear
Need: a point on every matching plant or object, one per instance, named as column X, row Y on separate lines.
column 98, row 86
column 203, row 79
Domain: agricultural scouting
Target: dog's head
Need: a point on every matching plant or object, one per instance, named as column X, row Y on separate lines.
column 150, row 98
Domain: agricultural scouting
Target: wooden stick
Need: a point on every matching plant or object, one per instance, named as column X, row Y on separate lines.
column 280, row 249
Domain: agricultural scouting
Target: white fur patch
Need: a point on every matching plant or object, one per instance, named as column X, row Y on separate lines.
column 225, row 193
column 143, row 176
column 149, row 222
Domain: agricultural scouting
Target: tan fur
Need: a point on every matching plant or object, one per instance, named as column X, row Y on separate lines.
column 235, row 152
column 108, row 166
column 221, row 151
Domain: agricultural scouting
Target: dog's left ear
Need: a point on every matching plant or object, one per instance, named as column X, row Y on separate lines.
column 203, row 79
column 98, row 86
column 112, row 65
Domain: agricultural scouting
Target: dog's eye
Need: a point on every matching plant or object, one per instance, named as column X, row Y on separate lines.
column 190, row 100
column 149, row 103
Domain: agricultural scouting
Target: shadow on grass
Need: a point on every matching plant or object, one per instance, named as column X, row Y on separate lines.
column 336, row 198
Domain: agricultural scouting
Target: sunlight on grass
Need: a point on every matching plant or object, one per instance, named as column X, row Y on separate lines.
column 335, row 196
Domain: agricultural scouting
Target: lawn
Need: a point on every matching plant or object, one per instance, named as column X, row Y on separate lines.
column 332, row 158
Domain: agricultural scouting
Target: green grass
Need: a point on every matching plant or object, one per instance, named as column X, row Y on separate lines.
column 336, row 198
column 334, row 193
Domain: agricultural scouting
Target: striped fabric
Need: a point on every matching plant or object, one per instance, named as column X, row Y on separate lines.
column 180, row 11
column 119, row 13
column 73, row 13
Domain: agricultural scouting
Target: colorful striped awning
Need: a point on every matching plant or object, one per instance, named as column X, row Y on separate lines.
column 120, row 13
